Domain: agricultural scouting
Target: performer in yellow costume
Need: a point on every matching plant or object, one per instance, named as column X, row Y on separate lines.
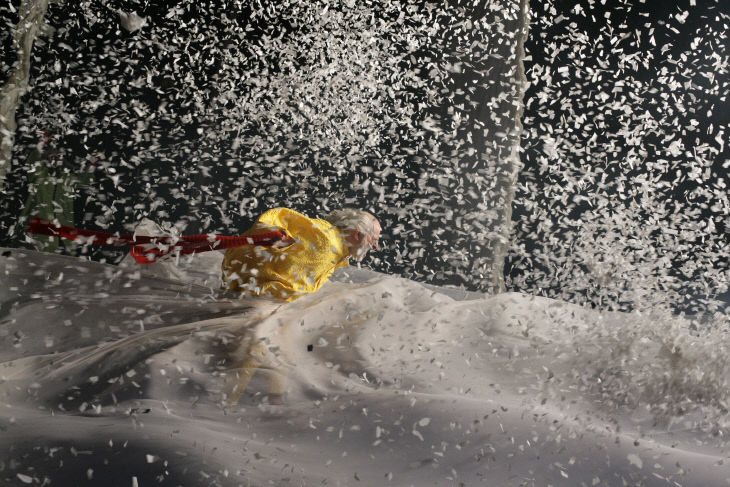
column 315, row 249
column 299, row 264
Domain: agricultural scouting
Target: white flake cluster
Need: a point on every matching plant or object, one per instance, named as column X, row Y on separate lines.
column 623, row 201
column 206, row 117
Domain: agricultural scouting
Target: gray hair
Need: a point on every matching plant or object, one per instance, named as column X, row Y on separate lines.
column 352, row 219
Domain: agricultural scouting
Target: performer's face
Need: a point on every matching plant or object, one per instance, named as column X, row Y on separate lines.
column 375, row 237
column 366, row 242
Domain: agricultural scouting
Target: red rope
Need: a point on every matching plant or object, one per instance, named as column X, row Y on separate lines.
column 184, row 245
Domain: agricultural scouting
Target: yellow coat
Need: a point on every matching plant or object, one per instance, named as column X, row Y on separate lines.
column 290, row 272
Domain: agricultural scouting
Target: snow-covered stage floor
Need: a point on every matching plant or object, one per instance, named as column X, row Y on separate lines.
column 112, row 376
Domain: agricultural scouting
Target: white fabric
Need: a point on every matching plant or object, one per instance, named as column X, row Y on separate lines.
column 403, row 385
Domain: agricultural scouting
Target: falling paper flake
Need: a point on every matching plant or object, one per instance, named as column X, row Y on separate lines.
column 635, row 460
column 25, row 479
column 131, row 21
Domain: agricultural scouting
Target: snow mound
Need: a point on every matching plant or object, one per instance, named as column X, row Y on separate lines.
column 125, row 376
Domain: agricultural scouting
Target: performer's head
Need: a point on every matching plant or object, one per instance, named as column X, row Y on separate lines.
column 361, row 229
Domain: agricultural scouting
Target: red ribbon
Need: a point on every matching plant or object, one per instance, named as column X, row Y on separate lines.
column 188, row 244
